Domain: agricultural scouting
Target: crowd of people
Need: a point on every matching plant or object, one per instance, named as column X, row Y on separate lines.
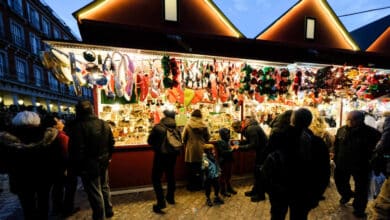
column 43, row 161
column 292, row 163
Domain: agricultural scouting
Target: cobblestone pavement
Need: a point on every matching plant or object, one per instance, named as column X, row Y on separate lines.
column 137, row 204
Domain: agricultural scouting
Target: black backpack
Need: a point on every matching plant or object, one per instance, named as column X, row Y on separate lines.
column 172, row 142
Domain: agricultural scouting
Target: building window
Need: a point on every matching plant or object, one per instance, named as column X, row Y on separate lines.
column 38, row 75
column 16, row 5
column 2, row 33
column 310, row 28
column 17, row 33
column 46, row 27
column 33, row 16
column 56, row 34
column 170, row 10
column 35, row 44
column 21, row 69
column 53, row 83
column 71, row 90
column 62, row 88
column 3, row 64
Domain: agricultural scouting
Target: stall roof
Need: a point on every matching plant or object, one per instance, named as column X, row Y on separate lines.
column 368, row 33
column 290, row 28
column 200, row 17
column 381, row 44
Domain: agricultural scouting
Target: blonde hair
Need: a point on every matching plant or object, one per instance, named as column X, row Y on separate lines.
column 318, row 125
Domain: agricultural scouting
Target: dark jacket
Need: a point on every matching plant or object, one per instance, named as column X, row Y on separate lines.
column 255, row 139
column 91, row 144
column 224, row 150
column 383, row 146
column 297, row 169
column 29, row 163
column 353, row 147
column 158, row 134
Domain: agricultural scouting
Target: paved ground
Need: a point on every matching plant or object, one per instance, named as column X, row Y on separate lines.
column 136, row 204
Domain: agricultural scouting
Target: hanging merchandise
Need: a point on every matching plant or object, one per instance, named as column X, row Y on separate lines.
column 108, row 69
column 268, row 83
column 76, row 81
column 283, row 81
column 189, row 94
column 167, row 81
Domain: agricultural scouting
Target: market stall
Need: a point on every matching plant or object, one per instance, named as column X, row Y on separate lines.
column 132, row 88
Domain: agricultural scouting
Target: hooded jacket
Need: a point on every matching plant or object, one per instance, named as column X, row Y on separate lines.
column 195, row 135
column 29, row 157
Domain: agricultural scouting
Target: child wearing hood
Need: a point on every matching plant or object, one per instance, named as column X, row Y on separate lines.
column 225, row 158
column 212, row 173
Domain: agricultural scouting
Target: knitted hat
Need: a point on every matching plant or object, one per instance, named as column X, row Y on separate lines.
column 26, row 118
column 196, row 113
column 169, row 113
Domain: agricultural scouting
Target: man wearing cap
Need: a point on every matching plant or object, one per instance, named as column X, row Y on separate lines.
column 164, row 161
column 353, row 147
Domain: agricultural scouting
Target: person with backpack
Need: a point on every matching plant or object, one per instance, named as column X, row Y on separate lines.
column 296, row 171
column 164, row 159
column 353, row 148
column 212, row 173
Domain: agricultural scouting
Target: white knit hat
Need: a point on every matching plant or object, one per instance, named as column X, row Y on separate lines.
column 26, row 118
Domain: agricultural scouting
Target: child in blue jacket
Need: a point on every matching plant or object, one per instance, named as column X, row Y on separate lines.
column 212, row 173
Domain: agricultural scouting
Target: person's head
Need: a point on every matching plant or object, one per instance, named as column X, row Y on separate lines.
column 26, row 119
column 224, row 134
column 169, row 113
column 301, row 118
column 84, row 108
column 355, row 119
column 196, row 113
column 208, row 148
column 51, row 121
column 282, row 121
column 236, row 126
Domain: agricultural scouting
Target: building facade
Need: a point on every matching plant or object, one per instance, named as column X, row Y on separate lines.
column 24, row 82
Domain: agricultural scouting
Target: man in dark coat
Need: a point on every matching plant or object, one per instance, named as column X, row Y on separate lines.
column 296, row 171
column 255, row 139
column 353, row 147
column 164, row 161
column 90, row 149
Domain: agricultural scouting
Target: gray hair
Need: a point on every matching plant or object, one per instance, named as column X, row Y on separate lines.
column 26, row 118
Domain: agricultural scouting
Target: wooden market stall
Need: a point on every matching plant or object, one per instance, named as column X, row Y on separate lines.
column 142, row 57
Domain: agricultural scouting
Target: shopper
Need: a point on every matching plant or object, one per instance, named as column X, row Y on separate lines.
column 195, row 135
column 90, row 149
column 353, row 147
column 381, row 205
column 164, row 161
column 29, row 149
column 58, row 157
column 225, row 159
column 296, row 171
column 212, row 174
column 255, row 139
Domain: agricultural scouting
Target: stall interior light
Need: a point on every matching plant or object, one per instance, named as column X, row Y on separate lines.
column 20, row 102
column 223, row 19
column 38, row 104
column 1, row 99
column 116, row 107
column 51, row 105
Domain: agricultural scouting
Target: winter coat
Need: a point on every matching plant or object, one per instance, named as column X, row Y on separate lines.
column 383, row 145
column 91, row 144
column 224, row 151
column 211, row 166
column 157, row 135
column 298, row 168
column 255, row 139
column 30, row 160
column 195, row 135
column 354, row 147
